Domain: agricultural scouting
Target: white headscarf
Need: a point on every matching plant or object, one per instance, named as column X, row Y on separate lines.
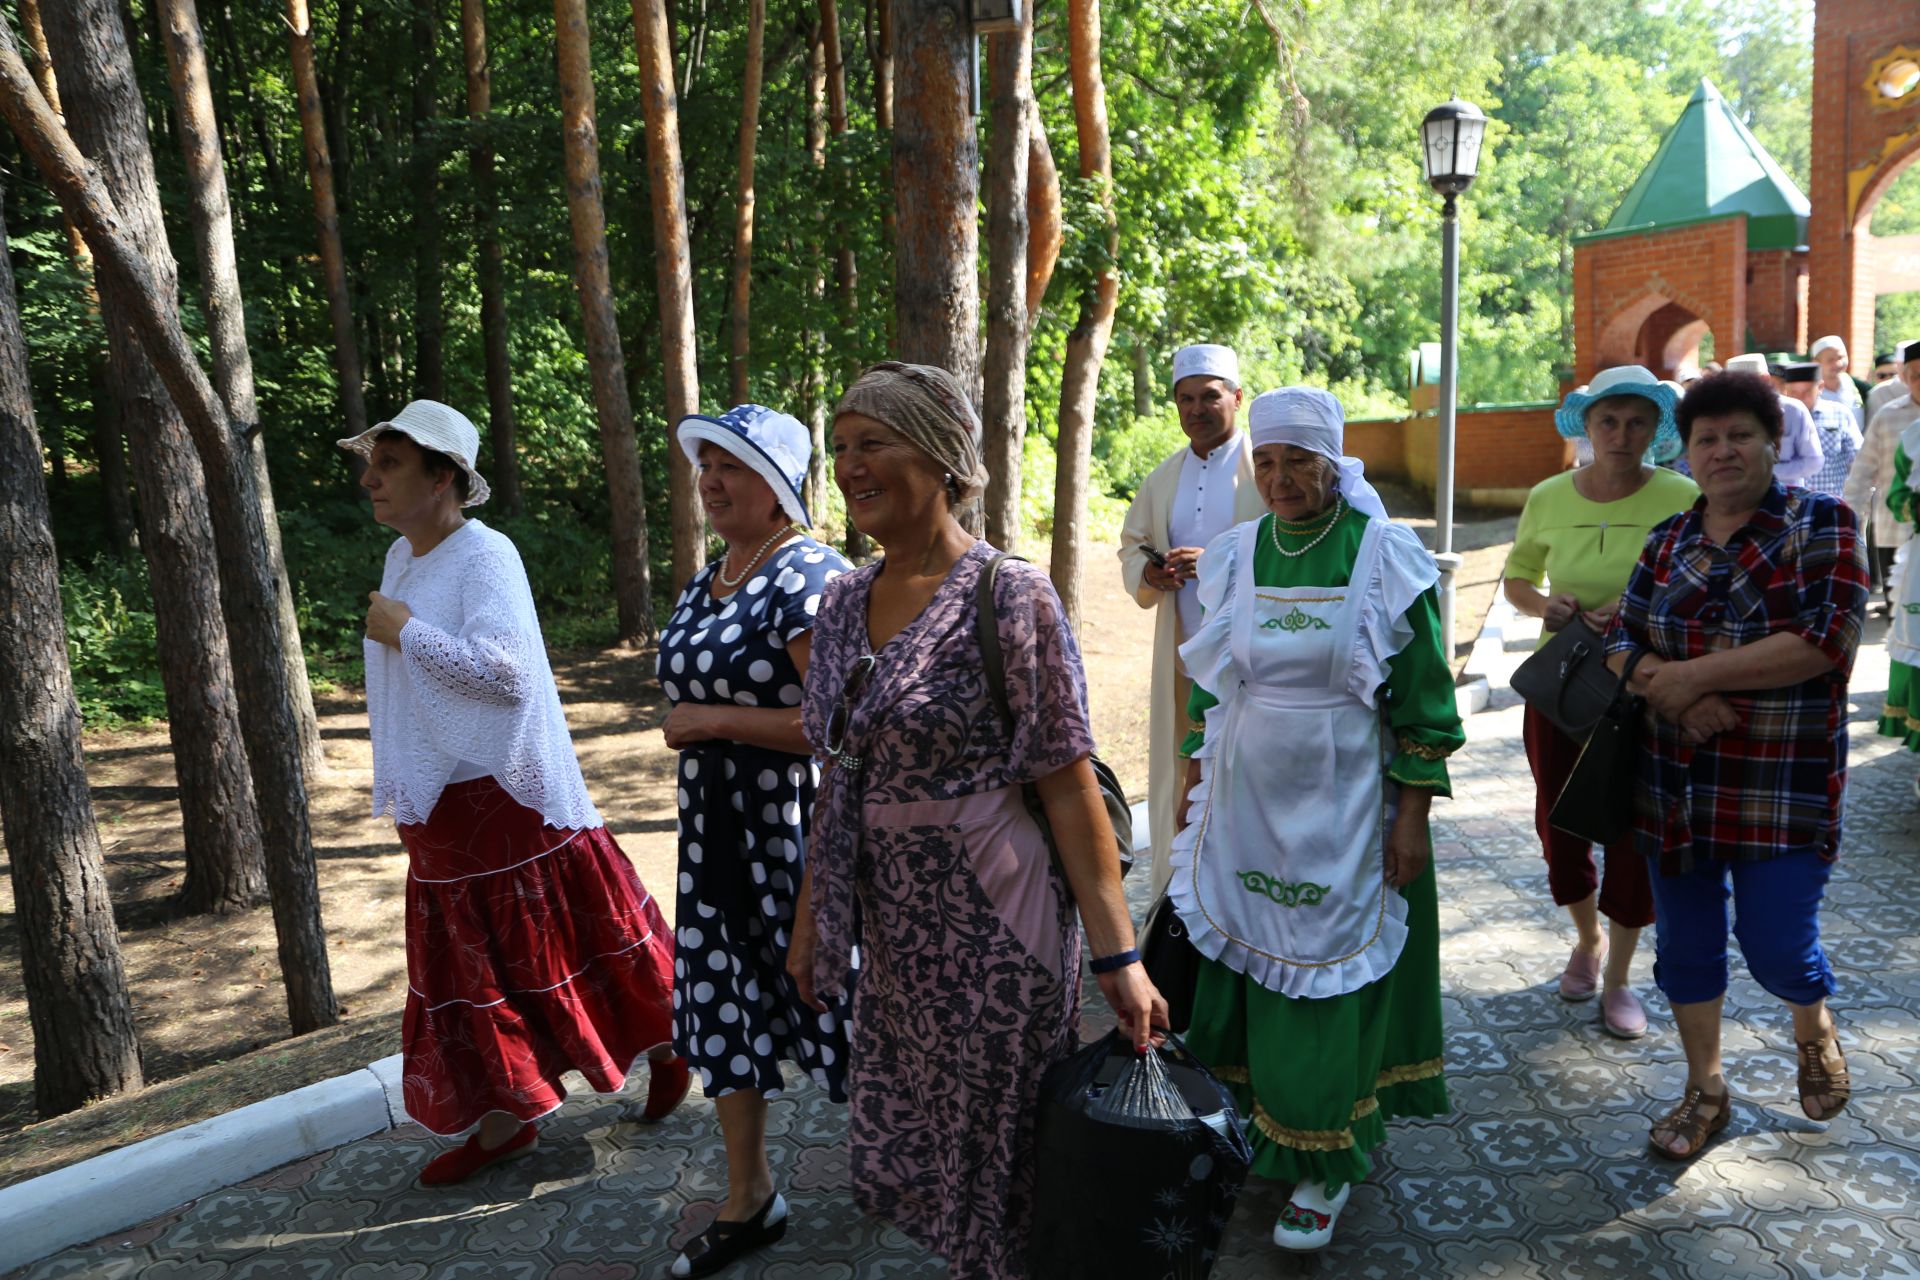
column 1311, row 419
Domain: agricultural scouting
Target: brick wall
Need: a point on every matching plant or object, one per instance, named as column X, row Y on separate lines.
column 1623, row 281
column 1776, row 300
column 1504, row 447
column 1858, row 149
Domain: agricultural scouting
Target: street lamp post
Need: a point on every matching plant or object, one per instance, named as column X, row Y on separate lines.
column 1450, row 154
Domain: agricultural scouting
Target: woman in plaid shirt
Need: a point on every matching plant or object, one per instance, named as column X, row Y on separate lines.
column 1747, row 608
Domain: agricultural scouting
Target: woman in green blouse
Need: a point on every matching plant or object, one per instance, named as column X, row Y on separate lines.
column 1305, row 875
column 1580, row 535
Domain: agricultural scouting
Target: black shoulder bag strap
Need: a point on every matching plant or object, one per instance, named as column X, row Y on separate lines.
column 986, row 623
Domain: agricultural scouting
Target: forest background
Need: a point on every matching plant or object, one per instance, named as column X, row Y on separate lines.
column 1267, row 194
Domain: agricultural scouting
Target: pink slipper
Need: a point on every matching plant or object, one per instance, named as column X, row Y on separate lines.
column 1621, row 1014
column 1581, row 978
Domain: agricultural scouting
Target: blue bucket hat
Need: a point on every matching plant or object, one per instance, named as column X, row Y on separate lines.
column 774, row 444
column 1627, row 380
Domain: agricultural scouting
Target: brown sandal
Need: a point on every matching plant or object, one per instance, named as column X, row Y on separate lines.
column 1816, row 1080
column 1686, row 1123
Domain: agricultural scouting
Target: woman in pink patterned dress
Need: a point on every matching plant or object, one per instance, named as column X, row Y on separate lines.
column 969, row 947
column 532, row 947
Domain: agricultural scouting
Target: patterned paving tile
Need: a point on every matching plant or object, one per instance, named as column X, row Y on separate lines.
column 1541, row 1171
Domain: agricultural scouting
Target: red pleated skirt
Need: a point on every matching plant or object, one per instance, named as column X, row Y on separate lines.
column 531, row 951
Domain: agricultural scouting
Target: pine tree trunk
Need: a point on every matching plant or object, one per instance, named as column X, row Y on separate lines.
column 606, row 362
column 222, row 828
column 1004, row 416
column 883, row 65
column 815, row 342
column 846, row 274
column 493, row 289
column 84, row 1042
column 1045, row 232
column 1087, row 344
column 212, row 219
column 429, row 320
column 673, row 269
column 883, row 120
column 326, row 216
column 936, row 185
column 741, row 302
column 133, row 276
column 110, row 450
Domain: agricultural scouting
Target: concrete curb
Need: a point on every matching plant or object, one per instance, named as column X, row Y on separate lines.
column 1505, row 629
column 116, row 1190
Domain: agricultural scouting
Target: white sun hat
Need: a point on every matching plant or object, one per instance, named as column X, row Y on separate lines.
column 437, row 427
column 774, row 444
column 1207, row 360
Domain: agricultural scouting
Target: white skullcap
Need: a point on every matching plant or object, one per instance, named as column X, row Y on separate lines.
column 1207, row 360
column 1311, row 419
column 1832, row 342
column 1751, row 363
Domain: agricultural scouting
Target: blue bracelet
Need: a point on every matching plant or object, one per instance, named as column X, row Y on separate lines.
column 1119, row 960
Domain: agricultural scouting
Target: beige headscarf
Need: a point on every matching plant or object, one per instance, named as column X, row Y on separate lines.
column 928, row 406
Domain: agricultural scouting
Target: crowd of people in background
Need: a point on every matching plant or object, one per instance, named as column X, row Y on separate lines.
column 864, row 888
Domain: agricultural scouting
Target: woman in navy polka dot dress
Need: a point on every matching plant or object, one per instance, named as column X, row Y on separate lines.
column 733, row 662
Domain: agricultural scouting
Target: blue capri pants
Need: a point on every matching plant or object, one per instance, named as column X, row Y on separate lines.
column 1776, row 906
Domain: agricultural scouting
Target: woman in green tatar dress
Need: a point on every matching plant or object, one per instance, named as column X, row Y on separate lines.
column 1901, row 718
column 1304, row 875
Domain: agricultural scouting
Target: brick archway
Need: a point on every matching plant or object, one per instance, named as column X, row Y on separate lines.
column 1650, row 297
column 1862, row 140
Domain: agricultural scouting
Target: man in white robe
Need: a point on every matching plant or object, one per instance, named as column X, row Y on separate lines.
column 1195, row 495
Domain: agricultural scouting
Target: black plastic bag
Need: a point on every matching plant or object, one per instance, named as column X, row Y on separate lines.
column 1139, row 1162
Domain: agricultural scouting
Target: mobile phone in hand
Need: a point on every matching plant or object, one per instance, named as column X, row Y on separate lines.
column 1155, row 556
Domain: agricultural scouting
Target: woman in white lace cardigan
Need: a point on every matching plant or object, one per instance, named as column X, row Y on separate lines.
column 532, row 947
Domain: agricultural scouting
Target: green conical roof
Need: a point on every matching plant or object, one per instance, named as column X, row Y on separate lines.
column 1709, row 165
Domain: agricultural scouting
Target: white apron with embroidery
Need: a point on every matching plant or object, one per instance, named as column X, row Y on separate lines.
column 1903, row 639
column 1286, row 878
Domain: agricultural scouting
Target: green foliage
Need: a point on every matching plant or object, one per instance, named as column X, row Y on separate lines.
column 110, row 642
column 1267, row 195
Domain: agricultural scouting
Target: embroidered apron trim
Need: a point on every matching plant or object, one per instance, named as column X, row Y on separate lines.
column 1379, row 922
column 1283, row 892
column 1297, row 620
column 1412, row 748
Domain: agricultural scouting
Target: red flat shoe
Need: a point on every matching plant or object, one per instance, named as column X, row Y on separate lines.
column 667, row 1088
column 464, row 1161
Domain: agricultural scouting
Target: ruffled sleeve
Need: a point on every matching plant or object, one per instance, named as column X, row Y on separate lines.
column 1208, row 655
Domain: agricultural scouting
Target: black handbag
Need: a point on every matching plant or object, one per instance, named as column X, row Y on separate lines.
column 1597, row 802
column 986, row 630
column 1567, row 679
column 1171, row 960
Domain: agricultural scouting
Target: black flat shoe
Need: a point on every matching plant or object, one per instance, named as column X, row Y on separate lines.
column 724, row 1243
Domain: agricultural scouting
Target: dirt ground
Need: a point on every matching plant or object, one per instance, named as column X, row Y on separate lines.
column 206, row 990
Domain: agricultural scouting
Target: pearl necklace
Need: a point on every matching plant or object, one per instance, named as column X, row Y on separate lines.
column 1273, row 531
column 736, row 580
